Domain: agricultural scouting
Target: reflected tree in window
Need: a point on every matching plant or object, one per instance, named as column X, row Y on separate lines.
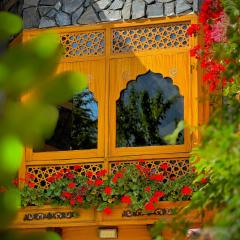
column 149, row 109
column 77, row 126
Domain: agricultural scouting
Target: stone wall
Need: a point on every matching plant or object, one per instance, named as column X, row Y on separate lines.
column 50, row 13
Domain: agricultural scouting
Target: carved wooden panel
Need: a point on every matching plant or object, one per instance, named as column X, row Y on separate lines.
column 42, row 173
column 175, row 168
column 80, row 44
column 151, row 37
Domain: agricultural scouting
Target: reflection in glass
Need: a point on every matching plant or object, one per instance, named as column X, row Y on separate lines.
column 149, row 109
column 77, row 125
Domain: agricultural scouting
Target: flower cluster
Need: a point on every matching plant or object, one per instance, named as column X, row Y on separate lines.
column 213, row 24
column 136, row 186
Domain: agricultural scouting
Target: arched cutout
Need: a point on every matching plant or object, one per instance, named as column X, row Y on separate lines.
column 77, row 127
column 148, row 109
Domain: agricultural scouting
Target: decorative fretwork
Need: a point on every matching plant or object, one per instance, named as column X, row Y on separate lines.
column 176, row 168
column 172, row 35
column 83, row 44
column 42, row 173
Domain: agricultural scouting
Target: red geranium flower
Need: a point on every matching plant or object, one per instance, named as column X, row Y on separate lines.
column 147, row 189
column 149, row 206
column 71, row 185
column 108, row 190
column 101, row 173
column 107, row 210
column 51, row 179
column 58, row 175
column 159, row 194
column 157, row 177
column 31, row 184
column 153, row 199
column 98, row 182
column 90, row 182
column 204, row 180
column 126, row 199
column 186, row 191
column 89, row 174
column 164, row 166
column 66, row 195
column 77, row 167
column 72, row 202
column 30, row 175
column 70, row 176
column 79, row 199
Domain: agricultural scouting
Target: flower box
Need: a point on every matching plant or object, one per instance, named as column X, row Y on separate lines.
column 48, row 216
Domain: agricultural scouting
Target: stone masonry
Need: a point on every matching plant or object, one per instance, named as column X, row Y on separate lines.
column 51, row 13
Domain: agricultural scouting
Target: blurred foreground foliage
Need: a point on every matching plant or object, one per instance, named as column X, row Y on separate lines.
column 29, row 93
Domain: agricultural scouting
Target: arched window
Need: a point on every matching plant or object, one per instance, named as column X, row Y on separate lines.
column 148, row 110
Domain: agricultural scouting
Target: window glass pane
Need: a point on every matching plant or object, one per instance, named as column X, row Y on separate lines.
column 77, row 125
column 149, row 109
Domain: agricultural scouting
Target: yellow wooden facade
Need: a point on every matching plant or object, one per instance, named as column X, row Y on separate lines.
column 109, row 66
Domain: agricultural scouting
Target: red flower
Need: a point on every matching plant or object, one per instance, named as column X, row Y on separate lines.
column 72, row 202
column 141, row 160
column 31, row 184
column 126, row 199
column 71, row 185
column 51, row 179
column 149, row 206
column 101, row 173
column 153, row 199
column 58, row 175
column 30, row 176
column 77, row 167
column 66, row 195
column 172, row 178
column 98, row 182
column 70, row 176
column 147, row 189
column 204, row 180
column 195, row 52
column 139, row 167
column 108, row 190
column 15, row 181
column 159, row 194
column 158, row 177
column 119, row 175
column 79, row 199
column 90, row 182
column 89, row 174
column 164, row 166
column 194, row 28
column 116, row 177
column 186, row 191
column 107, row 210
